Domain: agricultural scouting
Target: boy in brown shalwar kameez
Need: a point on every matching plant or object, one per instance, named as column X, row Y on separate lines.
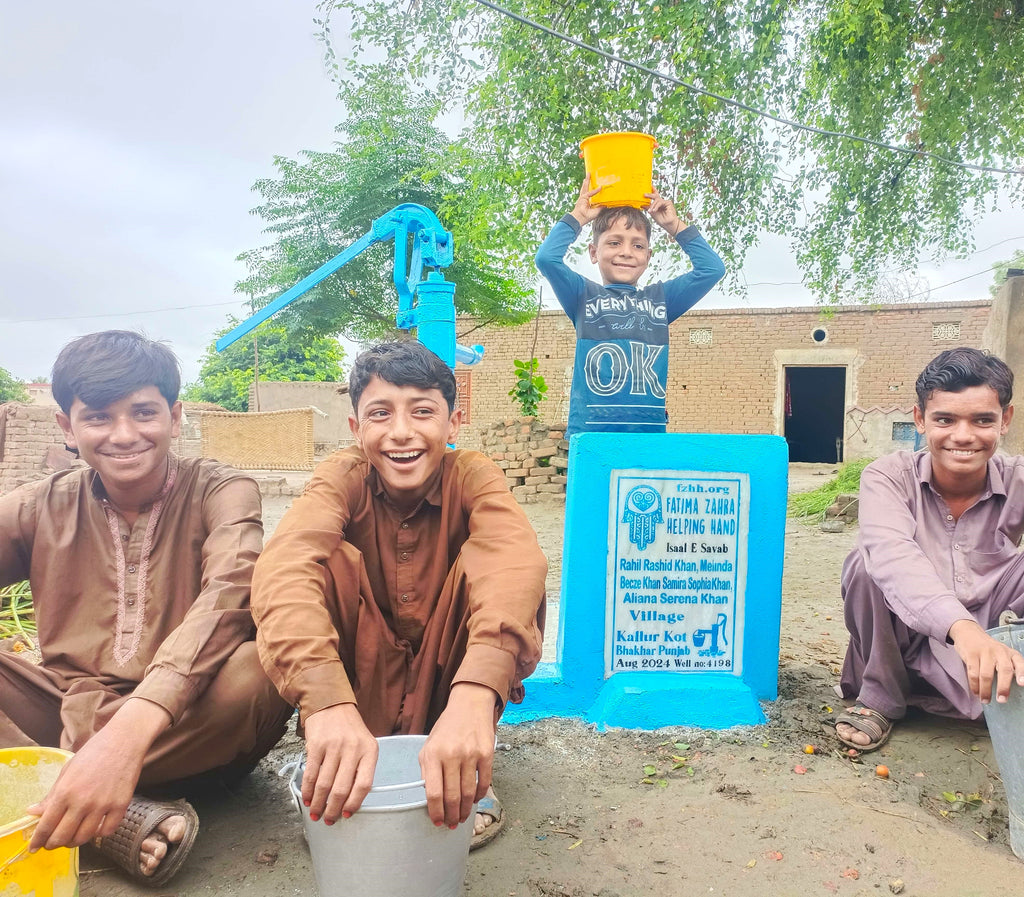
column 140, row 567
column 402, row 593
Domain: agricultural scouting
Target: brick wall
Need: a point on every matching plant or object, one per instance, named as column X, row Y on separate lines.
column 32, row 445
column 533, row 455
column 727, row 366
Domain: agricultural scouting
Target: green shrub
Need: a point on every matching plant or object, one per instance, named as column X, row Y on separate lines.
column 529, row 388
column 17, row 616
column 813, row 504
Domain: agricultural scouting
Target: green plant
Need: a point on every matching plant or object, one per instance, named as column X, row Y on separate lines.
column 813, row 504
column 17, row 616
column 529, row 387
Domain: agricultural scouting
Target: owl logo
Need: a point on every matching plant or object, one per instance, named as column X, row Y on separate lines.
column 643, row 514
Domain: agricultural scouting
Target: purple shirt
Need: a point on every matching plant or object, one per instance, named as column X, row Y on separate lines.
column 935, row 570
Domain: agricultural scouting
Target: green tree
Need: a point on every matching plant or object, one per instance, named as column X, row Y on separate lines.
column 388, row 153
column 290, row 355
column 1000, row 268
column 11, row 388
column 931, row 78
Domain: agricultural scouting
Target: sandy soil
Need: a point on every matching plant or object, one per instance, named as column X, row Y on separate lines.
column 746, row 821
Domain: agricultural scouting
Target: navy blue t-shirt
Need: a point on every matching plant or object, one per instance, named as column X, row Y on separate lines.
column 621, row 366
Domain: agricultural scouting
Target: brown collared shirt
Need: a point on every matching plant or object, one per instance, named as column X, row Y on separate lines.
column 153, row 608
column 468, row 512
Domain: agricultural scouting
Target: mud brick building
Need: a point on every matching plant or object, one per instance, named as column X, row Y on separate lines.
column 837, row 383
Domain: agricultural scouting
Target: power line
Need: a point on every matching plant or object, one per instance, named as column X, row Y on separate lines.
column 119, row 314
column 739, row 105
column 800, row 283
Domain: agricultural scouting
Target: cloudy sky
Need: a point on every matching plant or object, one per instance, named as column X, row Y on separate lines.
column 130, row 138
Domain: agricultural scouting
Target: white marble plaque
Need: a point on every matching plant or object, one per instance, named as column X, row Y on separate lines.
column 677, row 571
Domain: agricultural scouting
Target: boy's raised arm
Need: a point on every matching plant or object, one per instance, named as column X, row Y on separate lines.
column 685, row 291
column 568, row 285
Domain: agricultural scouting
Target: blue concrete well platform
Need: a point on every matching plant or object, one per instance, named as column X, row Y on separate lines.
column 671, row 583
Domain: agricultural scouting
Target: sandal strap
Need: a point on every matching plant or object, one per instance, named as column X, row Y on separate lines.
column 124, row 846
column 864, row 719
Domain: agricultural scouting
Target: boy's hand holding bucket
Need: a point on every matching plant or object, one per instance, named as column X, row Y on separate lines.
column 341, row 756
column 664, row 212
column 585, row 211
column 458, row 757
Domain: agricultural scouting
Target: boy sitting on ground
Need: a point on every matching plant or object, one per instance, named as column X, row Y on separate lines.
column 937, row 561
column 402, row 593
column 621, row 368
column 140, row 566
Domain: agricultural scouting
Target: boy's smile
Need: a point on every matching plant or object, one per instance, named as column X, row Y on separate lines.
column 621, row 253
column 404, row 431
column 126, row 443
column 962, row 430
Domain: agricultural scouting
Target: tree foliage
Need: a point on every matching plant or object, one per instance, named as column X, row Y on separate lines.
column 11, row 388
column 1000, row 268
column 929, row 76
column 388, row 152
column 290, row 355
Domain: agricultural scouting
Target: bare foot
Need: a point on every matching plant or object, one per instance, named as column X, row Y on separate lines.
column 846, row 732
column 154, row 848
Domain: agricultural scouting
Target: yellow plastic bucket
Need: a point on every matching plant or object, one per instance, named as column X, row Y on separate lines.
column 621, row 164
column 26, row 775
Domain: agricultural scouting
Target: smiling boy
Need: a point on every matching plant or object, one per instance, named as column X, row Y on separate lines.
column 140, row 566
column 621, row 369
column 937, row 560
column 402, row 593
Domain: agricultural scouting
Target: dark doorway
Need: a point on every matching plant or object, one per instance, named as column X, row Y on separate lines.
column 814, row 413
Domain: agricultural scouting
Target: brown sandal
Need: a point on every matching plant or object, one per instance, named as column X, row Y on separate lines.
column 877, row 727
column 141, row 819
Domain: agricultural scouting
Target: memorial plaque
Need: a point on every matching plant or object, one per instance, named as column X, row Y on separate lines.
column 677, row 571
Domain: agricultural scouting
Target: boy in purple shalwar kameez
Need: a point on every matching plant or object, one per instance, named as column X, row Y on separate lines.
column 937, row 560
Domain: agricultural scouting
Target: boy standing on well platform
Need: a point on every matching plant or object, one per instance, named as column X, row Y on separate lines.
column 402, row 593
column 621, row 368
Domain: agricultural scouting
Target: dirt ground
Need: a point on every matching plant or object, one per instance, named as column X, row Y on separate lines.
column 746, row 821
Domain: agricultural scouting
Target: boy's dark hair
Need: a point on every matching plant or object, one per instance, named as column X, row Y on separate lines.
column 633, row 218
column 958, row 369
column 406, row 363
column 101, row 368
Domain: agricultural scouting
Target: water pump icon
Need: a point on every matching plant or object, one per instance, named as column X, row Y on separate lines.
column 716, row 632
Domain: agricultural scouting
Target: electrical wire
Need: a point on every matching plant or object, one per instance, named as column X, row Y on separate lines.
column 739, row 105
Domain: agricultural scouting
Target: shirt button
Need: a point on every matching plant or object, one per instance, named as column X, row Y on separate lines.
column 405, row 526
column 956, row 547
column 405, row 555
column 959, row 579
column 131, row 569
column 949, row 516
column 405, row 598
column 124, row 538
column 130, row 602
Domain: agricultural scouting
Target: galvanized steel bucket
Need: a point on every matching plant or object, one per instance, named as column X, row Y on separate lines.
column 1006, row 726
column 389, row 846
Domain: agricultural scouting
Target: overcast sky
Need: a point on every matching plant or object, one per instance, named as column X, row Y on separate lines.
column 130, row 137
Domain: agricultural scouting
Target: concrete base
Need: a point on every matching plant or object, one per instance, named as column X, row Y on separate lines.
column 645, row 701
column 579, row 684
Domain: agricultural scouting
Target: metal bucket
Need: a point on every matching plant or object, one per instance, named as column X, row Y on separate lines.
column 1006, row 726
column 390, row 846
